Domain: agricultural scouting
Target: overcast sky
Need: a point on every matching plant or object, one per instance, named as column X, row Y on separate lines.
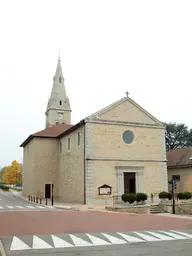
column 107, row 47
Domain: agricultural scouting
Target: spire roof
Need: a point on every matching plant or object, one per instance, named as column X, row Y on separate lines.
column 59, row 72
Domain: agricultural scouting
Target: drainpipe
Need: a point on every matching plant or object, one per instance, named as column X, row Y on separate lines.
column 84, row 169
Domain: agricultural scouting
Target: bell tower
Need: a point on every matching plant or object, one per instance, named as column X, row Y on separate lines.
column 58, row 107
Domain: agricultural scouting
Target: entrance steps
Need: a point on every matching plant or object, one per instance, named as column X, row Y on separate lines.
column 155, row 208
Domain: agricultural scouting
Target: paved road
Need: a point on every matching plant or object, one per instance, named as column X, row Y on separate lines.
column 157, row 243
column 8, row 202
column 63, row 222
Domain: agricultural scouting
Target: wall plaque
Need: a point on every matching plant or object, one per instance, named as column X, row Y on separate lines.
column 105, row 190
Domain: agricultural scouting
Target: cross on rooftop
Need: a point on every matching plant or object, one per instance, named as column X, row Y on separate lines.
column 127, row 93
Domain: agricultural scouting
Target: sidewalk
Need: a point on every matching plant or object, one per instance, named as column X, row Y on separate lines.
column 64, row 206
column 175, row 215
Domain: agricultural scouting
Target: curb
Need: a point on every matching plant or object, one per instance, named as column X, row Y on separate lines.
column 2, row 250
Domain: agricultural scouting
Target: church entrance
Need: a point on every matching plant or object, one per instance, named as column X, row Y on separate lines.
column 129, row 182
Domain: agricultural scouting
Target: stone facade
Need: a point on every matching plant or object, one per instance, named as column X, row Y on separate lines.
column 71, row 167
column 108, row 157
column 185, row 183
column 40, row 167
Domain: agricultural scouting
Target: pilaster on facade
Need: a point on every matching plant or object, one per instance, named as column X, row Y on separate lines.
column 88, row 164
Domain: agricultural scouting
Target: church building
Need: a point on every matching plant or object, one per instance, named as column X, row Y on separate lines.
column 119, row 149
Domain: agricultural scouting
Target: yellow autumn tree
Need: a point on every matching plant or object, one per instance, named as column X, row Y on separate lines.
column 17, row 171
column 12, row 174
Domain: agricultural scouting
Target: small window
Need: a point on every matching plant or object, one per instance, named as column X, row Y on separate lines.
column 60, row 116
column 78, row 139
column 60, row 102
column 59, row 79
column 69, row 144
column 176, row 177
column 60, row 147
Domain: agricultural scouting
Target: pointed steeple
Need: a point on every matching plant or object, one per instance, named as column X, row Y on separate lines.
column 58, row 107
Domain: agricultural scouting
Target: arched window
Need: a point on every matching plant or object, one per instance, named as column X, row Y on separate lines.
column 59, row 79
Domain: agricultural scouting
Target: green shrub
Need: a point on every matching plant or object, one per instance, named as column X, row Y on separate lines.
column 124, row 198
column 3, row 187
column 184, row 195
column 141, row 197
column 164, row 195
column 130, row 198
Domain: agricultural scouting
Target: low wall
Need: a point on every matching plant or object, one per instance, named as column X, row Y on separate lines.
column 134, row 209
column 181, row 207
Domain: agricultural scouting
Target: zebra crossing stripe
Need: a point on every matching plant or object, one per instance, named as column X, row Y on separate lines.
column 38, row 243
column 161, row 237
column 97, row 241
column 79, row 241
column 18, row 245
column 130, row 239
column 147, row 237
column 177, row 236
column 60, row 243
column 113, row 239
column 182, row 233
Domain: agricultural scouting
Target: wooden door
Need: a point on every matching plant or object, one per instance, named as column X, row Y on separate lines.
column 129, row 182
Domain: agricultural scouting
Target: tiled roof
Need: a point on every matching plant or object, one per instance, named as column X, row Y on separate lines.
column 53, row 131
column 50, row 132
column 179, row 157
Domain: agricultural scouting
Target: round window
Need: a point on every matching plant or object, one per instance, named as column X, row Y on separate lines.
column 128, row 137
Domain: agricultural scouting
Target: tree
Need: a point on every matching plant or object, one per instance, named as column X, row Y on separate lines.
column 2, row 172
column 12, row 174
column 177, row 136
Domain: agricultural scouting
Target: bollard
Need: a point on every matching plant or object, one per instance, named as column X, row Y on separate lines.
column 40, row 200
column 34, row 199
column 29, row 198
column 45, row 201
column 37, row 200
column 151, row 197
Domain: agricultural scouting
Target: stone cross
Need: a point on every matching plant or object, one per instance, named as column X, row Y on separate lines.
column 127, row 93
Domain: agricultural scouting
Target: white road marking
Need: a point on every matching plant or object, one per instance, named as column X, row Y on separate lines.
column 147, row 237
column 79, row 241
column 174, row 235
column 182, row 233
column 31, row 207
column 20, row 207
column 40, row 207
column 130, row 239
column 17, row 244
column 97, row 241
column 60, row 243
column 1, row 207
column 113, row 239
column 160, row 236
column 51, row 207
column 10, row 207
column 38, row 243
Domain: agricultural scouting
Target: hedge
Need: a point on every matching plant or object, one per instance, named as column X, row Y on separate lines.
column 131, row 198
column 184, row 195
column 164, row 195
